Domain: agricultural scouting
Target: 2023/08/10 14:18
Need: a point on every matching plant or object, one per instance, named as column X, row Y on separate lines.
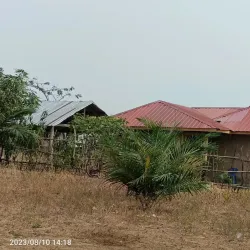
column 40, row 242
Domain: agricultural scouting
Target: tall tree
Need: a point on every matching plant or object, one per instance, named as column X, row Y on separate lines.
column 17, row 103
column 15, row 94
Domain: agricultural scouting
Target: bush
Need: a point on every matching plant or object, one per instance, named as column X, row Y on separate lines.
column 84, row 148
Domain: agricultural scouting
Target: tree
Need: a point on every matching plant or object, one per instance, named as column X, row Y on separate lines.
column 156, row 163
column 18, row 90
column 98, row 126
column 15, row 94
column 51, row 92
column 19, row 99
column 17, row 103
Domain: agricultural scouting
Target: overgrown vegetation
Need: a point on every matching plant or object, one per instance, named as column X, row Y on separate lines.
column 82, row 149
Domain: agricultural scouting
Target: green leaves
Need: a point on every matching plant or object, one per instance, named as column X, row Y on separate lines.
column 19, row 98
column 17, row 103
column 156, row 162
column 102, row 125
column 15, row 94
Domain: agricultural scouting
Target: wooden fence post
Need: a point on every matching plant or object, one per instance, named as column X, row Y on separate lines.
column 51, row 146
column 1, row 153
column 74, row 148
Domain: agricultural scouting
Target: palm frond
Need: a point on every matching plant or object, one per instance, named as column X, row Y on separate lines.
column 156, row 162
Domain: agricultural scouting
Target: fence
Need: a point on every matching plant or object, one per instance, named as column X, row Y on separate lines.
column 228, row 170
column 79, row 156
column 83, row 157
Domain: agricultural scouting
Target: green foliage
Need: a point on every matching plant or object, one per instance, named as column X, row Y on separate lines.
column 102, row 125
column 90, row 132
column 19, row 98
column 156, row 162
column 16, row 95
column 17, row 103
column 224, row 178
column 65, row 158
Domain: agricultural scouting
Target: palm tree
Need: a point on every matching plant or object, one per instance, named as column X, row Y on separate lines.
column 156, row 162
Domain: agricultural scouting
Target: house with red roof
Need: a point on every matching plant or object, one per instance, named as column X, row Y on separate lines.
column 173, row 115
column 232, row 122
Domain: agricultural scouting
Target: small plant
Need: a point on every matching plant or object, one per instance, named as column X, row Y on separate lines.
column 226, row 196
column 36, row 225
column 225, row 178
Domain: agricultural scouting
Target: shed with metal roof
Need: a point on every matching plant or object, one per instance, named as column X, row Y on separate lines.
column 56, row 113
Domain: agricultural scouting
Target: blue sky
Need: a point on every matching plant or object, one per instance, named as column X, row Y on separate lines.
column 122, row 54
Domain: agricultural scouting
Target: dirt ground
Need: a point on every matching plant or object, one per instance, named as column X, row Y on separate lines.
column 94, row 215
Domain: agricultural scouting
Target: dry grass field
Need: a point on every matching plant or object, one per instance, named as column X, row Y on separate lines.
column 94, row 215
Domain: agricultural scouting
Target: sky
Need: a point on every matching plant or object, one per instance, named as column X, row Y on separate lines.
column 126, row 53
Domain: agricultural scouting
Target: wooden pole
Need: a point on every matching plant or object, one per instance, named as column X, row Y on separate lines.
column 1, row 153
column 229, row 157
column 51, row 145
column 213, row 168
column 206, row 144
column 224, row 171
column 74, row 147
column 242, row 173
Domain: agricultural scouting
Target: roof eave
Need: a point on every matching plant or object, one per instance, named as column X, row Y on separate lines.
column 187, row 129
column 240, row 132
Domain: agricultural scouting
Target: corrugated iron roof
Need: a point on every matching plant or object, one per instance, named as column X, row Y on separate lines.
column 213, row 112
column 238, row 121
column 58, row 111
column 171, row 115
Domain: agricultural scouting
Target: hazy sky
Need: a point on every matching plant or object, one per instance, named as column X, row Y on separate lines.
column 125, row 53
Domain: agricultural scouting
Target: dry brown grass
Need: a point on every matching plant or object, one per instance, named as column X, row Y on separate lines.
column 97, row 216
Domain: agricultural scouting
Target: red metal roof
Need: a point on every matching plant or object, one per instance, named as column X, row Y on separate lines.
column 238, row 121
column 216, row 112
column 171, row 115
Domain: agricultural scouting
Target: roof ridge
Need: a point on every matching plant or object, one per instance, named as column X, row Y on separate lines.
column 216, row 107
column 230, row 113
column 67, row 101
column 124, row 112
column 191, row 115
